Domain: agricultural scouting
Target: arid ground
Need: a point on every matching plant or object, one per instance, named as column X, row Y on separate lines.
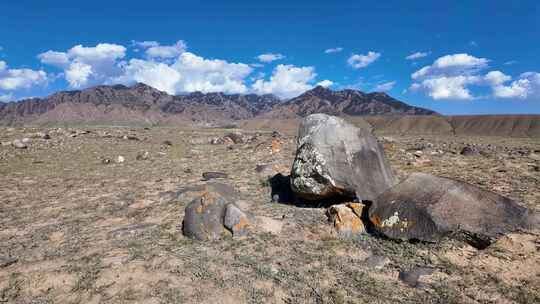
column 76, row 229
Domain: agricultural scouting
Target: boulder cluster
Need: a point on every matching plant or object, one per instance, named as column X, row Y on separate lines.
column 343, row 166
column 335, row 159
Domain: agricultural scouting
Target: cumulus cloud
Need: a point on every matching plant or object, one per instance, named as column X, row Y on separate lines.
column 286, row 81
column 144, row 44
column 269, row 57
column 526, row 86
column 166, row 51
column 333, row 50
column 325, row 83
column 84, row 66
column 15, row 79
column 188, row 73
column 449, row 77
column 452, row 65
column 6, row 97
column 384, row 87
column 417, row 55
column 362, row 61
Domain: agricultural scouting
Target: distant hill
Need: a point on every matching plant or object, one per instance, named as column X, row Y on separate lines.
column 344, row 103
column 141, row 103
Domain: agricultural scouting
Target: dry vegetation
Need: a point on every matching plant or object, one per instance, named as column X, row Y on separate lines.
column 76, row 230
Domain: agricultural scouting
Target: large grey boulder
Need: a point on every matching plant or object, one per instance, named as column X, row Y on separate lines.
column 425, row 207
column 334, row 157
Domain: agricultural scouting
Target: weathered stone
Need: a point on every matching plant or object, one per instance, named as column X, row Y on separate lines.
column 19, row 144
column 235, row 220
column 334, row 157
column 211, row 175
column 469, row 151
column 236, row 137
column 203, row 218
column 346, row 219
column 425, row 207
column 143, row 155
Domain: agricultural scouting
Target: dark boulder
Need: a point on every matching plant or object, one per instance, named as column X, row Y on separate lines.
column 213, row 215
column 335, row 158
column 425, row 207
column 211, row 175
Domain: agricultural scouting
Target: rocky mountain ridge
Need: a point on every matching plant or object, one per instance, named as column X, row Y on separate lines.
column 143, row 103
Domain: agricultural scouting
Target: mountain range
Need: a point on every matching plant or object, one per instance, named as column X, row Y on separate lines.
column 142, row 103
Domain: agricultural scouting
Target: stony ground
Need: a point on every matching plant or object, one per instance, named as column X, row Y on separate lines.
column 76, row 229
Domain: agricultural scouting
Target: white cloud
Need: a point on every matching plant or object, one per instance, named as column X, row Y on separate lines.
column 15, row 79
column 325, row 83
column 189, row 73
column 527, row 86
column 144, row 44
column 452, row 65
column 270, row 57
column 454, row 87
column 57, row 59
column 156, row 74
column 510, row 62
column 449, row 77
column 333, row 50
column 165, row 51
column 384, row 87
column 6, row 97
column 417, row 55
column 473, row 43
column 286, row 81
column 362, row 61
column 84, row 66
column 496, row 78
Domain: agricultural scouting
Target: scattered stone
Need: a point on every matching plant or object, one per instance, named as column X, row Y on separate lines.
column 203, row 218
column 235, row 220
column 469, row 151
column 335, row 158
column 5, row 261
column 143, row 155
column 130, row 137
column 275, row 146
column 277, row 134
column 26, row 140
column 167, row 143
column 412, row 276
column 5, row 143
column 211, row 175
column 425, row 207
column 346, row 219
column 19, row 144
column 120, row 159
column 264, row 168
column 377, row 262
column 132, row 230
column 418, row 153
column 213, row 213
column 106, row 161
column 236, row 137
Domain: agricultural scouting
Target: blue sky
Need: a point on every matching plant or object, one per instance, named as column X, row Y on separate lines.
column 472, row 57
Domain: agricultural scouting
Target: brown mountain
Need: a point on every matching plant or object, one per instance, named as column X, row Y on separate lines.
column 344, row 103
column 142, row 103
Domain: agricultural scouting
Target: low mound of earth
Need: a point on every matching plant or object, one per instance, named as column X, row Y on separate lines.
column 78, row 229
column 471, row 125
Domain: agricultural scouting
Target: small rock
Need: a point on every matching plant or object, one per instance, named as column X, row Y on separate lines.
column 120, row 159
column 167, row 143
column 469, row 151
column 418, row 153
column 6, row 261
column 5, row 143
column 143, row 155
column 19, row 144
column 106, row 161
column 26, row 140
column 235, row 220
column 204, row 216
column 346, row 218
column 211, row 175
column 411, row 277
column 236, row 137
